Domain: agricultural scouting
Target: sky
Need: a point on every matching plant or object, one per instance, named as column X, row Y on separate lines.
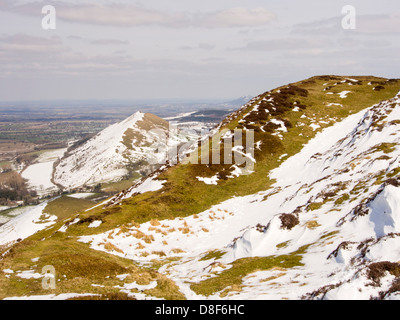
column 185, row 49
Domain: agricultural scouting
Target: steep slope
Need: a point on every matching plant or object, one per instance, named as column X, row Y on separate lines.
column 117, row 151
column 315, row 219
column 331, row 221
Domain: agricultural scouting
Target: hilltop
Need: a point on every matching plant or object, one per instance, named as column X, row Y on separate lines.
column 119, row 151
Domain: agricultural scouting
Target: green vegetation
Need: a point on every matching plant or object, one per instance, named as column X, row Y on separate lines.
column 283, row 244
column 358, row 188
column 312, row 224
column 112, row 188
column 48, row 135
column 315, row 206
column 380, row 177
column 243, row 267
column 329, row 235
column 77, row 268
column 215, row 254
column 385, row 147
column 64, row 207
column 342, row 199
column 394, row 172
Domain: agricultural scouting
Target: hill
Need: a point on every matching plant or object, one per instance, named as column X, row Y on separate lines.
column 315, row 218
column 121, row 150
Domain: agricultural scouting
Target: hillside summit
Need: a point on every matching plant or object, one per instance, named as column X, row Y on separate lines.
column 121, row 150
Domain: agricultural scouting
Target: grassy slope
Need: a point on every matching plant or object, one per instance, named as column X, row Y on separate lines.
column 78, row 266
column 64, row 207
column 233, row 276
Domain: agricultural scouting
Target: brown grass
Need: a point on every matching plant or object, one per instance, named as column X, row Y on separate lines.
column 154, row 222
column 110, row 247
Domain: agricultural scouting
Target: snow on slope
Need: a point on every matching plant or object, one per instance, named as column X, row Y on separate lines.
column 39, row 174
column 338, row 199
column 147, row 184
column 108, row 156
column 39, row 177
column 26, row 224
column 99, row 159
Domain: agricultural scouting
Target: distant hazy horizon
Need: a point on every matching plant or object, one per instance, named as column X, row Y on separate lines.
column 119, row 101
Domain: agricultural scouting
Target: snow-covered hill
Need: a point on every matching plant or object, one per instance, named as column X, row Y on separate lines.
column 335, row 206
column 319, row 217
column 118, row 150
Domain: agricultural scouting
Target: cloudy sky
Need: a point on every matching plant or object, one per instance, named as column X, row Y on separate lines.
column 185, row 49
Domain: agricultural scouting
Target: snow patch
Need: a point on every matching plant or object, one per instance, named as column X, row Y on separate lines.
column 95, row 224
column 212, row 180
column 385, row 211
column 344, row 94
column 25, row 225
column 82, row 195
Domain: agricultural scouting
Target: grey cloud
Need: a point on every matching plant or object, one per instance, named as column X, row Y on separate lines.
column 285, row 44
column 365, row 24
column 349, row 42
column 206, row 46
column 108, row 42
column 26, row 44
column 130, row 16
column 319, row 27
column 379, row 24
column 185, row 48
column 203, row 46
column 235, row 17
